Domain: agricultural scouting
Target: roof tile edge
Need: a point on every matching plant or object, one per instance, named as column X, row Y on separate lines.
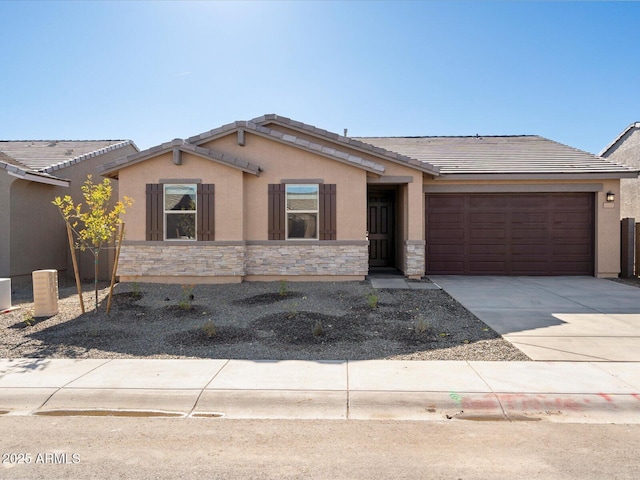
column 86, row 156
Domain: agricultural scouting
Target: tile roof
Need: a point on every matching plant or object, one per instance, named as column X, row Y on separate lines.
column 292, row 140
column 111, row 168
column 505, row 155
column 393, row 155
column 50, row 155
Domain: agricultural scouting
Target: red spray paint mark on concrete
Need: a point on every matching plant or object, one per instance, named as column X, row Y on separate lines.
column 606, row 397
column 636, row 396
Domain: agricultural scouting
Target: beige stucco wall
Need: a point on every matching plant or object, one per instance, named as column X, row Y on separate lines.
column 38, row 236
column 627, row 152
column 280, row 162
column 607, row 241
column 228, row 183
column 607, row 215
column 5, row 220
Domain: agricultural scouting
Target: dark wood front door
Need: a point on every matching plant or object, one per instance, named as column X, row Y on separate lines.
column 380, row 224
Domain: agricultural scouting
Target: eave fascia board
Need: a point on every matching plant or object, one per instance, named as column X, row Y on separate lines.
column 111, row 169
column 31, row 177
column 537, row 176
column 223, row 159
column 88, row 155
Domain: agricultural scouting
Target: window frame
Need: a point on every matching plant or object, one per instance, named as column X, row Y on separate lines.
column 179, row 212
column 287, row 211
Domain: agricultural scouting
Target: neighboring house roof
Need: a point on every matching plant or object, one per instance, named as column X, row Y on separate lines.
column 36, row 160
column 111, row 168
column 387, row 154
column 514, row 156
column 613, row 145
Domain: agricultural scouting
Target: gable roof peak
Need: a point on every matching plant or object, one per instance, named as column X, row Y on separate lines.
column 348, row 141
column 606, row 149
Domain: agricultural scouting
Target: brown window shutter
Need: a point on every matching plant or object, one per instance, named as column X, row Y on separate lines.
column 205, row 212
column 327, row 211
column 155, row 212
column 277, row 213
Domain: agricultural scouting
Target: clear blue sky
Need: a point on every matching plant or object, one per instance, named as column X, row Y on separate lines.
column 154, row 71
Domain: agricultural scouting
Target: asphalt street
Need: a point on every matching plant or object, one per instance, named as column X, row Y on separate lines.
column 190, row 448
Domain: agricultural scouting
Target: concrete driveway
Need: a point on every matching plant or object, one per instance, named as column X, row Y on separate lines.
column 555, row 318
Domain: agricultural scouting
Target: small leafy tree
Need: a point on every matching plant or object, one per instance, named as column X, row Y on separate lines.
column 94, row 225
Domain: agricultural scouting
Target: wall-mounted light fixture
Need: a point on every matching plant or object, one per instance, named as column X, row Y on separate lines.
column 610, row 197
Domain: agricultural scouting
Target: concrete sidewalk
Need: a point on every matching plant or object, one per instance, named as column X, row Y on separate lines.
column 372, row 389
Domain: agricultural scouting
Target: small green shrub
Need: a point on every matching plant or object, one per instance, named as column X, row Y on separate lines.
column 372, row 298
column 187, row 297
column 209, row 329
column 293, row 310
column 422, row 326
column 318, row 329
column 28, row 318
column 284, row 289
column 135, row 293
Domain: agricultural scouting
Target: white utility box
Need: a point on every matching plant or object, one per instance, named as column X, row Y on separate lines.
column 45, row 293
column 5, row 293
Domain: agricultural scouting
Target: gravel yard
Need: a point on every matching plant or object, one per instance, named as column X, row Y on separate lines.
column 253, row 320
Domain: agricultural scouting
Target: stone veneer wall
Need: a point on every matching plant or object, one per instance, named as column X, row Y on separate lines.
column 206, row 259
column 308, row 259
column 414, row 254
column 199, row 260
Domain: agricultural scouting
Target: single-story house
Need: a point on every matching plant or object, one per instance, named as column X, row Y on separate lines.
column 625, row 149
column 273, row 198
column 32, row 174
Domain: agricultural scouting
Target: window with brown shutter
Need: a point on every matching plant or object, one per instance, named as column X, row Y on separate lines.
column 300, row 212
column 327, row 211
column 277, row 214
column 155, row 211
column 205, row 212
column 180, row 209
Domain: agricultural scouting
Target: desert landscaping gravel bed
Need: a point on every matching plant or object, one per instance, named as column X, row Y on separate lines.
column 252, row 320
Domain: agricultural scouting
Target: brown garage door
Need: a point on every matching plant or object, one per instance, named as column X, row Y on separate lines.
column 510, row 234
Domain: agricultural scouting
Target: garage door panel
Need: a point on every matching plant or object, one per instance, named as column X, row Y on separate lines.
column 446, row 234
column 571, row 268
column 529, row 218
column 529, row 202
column 563, row 235
column 487, row 202
column 488, row 249
column 487, row 233
column 488, row 218
column 510, row 234
column 486, row 267
column 445, row 218
column 530, row 249
column 571, row 218
column 446, row 249
column 571, row 250
column 574, row 202
column 529, row 233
